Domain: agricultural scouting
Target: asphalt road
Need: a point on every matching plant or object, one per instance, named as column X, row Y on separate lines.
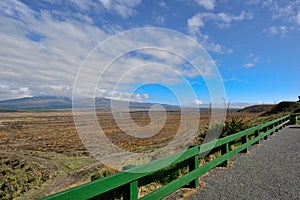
column 270, row 171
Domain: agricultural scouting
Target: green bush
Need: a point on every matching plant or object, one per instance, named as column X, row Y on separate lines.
column 106, row 173
column 96, row 176
column 19, row 176
column 214, row 131
column 234, row 125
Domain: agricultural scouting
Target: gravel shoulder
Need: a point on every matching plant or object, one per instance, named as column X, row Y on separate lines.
column 271, row 170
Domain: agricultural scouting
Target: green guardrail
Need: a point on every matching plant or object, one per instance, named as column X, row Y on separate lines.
column 293, row 118
column 128, row 180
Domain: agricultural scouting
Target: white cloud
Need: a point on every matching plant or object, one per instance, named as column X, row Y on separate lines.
column 280, row 12
column 253, row 60
column 123, row 8
column 232, row 79
column 256, row 59
column 229, row 51
column 194, row 28
column 41, row 54
column 124, row 96
column 83, row 5
column 7, row 92
column 284, row 14
column 145, row 96
column 196, row 23
column 225, row 19
column 162, row 4
column 24, row 90
column 208, row 4
column 298, row 17
column 48, row 61
column 288, row 12
column 250, row 55
column 249, row 65
column 278, row 30
column 198, row 102
column 16, row 9
column 160, row 20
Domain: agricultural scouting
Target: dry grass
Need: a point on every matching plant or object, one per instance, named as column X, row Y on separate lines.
column 50, row 140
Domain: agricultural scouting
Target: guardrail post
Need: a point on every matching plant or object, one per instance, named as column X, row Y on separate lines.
column 256, row 134
column 285, row 120
column 224, row 150
column 276, row 125
column 280, row 124
column 245, row 140
column 292, row 119
column 265, row 129
column 131, row 191
column 194, row 164
column 270, row 127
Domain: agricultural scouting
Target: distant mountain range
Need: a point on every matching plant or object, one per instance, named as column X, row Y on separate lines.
column 57, row 102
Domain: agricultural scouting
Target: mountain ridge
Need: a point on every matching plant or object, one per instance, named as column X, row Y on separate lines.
column 61, row 102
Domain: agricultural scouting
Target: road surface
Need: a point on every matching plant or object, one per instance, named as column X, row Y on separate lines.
column 270, row 171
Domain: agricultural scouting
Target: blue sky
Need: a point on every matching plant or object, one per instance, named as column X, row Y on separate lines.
column 254, row 44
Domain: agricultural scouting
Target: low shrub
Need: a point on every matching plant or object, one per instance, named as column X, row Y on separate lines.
column 234, row 125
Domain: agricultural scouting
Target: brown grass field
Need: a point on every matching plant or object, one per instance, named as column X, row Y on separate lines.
column 41, row 152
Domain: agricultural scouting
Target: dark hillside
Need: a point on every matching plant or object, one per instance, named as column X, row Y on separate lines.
column 257, row 108
column 282, row 107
